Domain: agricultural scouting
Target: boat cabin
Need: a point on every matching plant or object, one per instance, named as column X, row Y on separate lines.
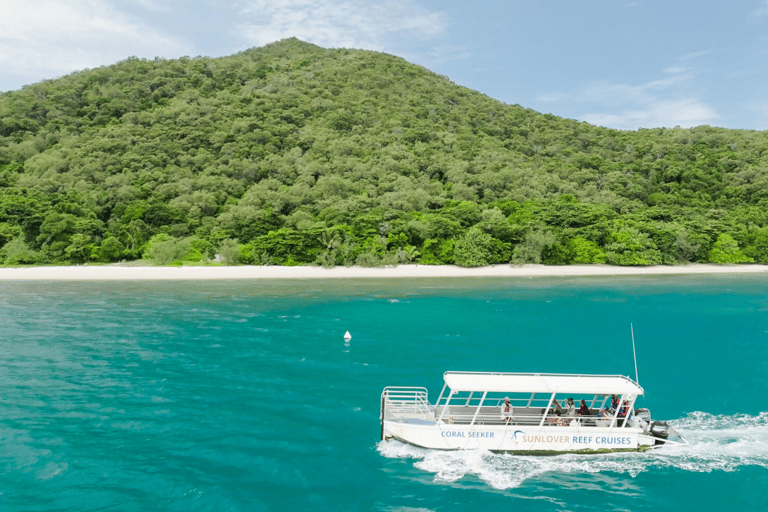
column 535, row 399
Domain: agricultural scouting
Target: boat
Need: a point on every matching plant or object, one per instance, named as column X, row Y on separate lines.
column 525, row 413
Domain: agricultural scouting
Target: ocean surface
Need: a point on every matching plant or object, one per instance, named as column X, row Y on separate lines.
column 244, row 396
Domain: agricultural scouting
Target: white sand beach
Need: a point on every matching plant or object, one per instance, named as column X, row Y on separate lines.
column 137, row 273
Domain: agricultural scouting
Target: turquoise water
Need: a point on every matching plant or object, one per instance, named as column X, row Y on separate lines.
column 230, row 396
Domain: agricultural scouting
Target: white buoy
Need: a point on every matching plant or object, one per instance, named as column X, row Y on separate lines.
column 347, row 336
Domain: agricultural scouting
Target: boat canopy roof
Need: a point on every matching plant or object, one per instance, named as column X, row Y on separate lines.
column 541, row 383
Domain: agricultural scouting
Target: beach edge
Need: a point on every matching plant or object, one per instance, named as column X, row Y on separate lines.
column 139, row 273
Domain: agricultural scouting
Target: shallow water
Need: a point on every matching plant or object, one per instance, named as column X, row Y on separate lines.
column 244, row 395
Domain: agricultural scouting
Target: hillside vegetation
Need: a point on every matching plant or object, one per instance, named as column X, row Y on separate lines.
column 294, row 154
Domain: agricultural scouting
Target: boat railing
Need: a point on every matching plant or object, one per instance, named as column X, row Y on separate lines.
column 406, row 403
column 521, row 416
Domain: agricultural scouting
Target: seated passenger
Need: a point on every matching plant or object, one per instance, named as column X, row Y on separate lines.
column 624, row 410
column 583, row 410
column 557, row 408
column 506, row 411
column 570, row 409
column 611, row 410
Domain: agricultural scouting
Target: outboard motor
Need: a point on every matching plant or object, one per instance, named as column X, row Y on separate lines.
column 660, row 429
column 643, row 419
column 643, row 414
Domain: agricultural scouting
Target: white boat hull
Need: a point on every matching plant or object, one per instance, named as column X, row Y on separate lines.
column 501, row 412
column 515, row 438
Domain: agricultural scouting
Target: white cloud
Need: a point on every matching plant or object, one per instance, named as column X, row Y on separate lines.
column 695, row 55
column 613, row 94
column 445, row 52
column 683, row 112
column 47, row 38
column 552, row 97
column 621, row 93
column 156, row 5
column 341, row 23
column 758, row 14
column 663, row 102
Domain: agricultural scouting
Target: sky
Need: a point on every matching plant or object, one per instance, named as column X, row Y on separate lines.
column 624, row 65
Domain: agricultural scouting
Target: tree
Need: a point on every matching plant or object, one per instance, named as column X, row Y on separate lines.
column 16, row 252
column 111, row 249
column 532, row 248
column 437, row 252
column 585, row 251
column 165, row 249
column 229, row 250
column 630, row 246
column 726, row 250
column 687, row 244
column 758, row 245
column 8, row 232
column 81, row 249
column 408, row 254
column 474, row 249
column 55, row 232
column 203, row 248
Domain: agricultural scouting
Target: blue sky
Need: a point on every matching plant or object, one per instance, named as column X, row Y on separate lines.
column 618, row 64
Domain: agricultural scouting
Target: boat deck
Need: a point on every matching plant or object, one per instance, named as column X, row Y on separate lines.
column 407, row 404
column 522, row 416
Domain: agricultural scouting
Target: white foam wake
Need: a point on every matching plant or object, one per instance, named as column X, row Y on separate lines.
column 717, row 443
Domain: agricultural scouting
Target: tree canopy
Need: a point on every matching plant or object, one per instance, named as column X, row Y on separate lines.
column 294, row 154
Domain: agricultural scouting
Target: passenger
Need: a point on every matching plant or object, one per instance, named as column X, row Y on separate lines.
column 506, row 411
column 583, row 410
column 557, row 408
column 624, row 410
column 570, row 409
column 611, row 410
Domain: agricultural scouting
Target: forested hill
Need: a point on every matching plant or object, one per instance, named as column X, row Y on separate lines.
column 294, row 154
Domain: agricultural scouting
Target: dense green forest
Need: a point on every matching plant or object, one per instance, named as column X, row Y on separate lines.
column 294, row 154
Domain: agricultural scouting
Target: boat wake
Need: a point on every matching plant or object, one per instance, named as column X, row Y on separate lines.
column 717, row 443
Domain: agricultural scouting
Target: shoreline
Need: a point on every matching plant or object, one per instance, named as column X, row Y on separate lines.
column 138, row 273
